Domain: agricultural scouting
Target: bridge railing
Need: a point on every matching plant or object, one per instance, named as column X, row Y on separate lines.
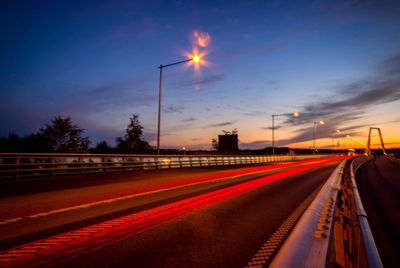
column 333, row 231
column 368, row 241
column 392, row 158
column 16, row 166
column 308, row 243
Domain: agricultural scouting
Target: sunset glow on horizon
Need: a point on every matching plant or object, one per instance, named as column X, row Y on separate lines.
column 98, row 64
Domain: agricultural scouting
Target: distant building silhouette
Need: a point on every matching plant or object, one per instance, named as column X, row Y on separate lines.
column 228, row 143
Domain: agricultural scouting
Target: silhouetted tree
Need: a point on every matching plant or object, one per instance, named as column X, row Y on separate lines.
column 102, row 147
column 214, row 144
column 132, row 140
column 13, row 143
column 62, row 136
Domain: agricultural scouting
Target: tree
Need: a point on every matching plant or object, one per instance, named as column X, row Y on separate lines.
column 132, row 140
column 102, row 147
column 214, row 144
column 62, row 136
column 32, row 143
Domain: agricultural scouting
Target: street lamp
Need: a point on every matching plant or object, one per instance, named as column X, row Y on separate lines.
column 295, row 114
column 333, row 139
column 196, row 59
column 314, row 132
column 349, row 137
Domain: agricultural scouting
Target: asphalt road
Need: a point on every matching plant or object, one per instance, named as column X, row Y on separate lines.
column 379, row 185
column 51, row 206
column 220, row 227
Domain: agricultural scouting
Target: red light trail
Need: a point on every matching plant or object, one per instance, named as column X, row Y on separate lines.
column 75, row 243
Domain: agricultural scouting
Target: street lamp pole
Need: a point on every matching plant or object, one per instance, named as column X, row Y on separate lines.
column 273, row 134
column 314, row 132
column 196, row 59
column 333, row 139
column 295, row 114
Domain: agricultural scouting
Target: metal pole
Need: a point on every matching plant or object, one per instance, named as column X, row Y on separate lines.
column 344, row 146
column 315, row 126
column 273, row 137
column 159, row 110
column 160, row 96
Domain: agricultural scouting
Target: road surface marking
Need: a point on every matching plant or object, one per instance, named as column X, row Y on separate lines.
column 77, row 242
column 264, row 254
column 112, row 200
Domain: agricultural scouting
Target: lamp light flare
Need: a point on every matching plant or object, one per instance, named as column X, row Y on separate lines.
column 321, row 122
column 201, row 39
column 196, row 58
column 296, row 114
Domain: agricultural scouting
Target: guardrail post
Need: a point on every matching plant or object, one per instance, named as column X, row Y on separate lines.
column 53, row 166
column 80, row 165
column 17, row 162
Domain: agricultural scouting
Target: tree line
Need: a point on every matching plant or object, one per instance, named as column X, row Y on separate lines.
column 62, row 136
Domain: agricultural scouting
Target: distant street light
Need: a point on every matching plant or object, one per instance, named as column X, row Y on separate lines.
column 314, row 132
column 295, row 114
column 197, row 60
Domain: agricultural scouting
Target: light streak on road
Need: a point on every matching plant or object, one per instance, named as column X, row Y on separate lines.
column 71, row 244
column 153, row 186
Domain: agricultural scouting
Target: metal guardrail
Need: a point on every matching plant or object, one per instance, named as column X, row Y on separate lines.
column 334, row 230
column 371, row 250
column 393, row 159
column 16, row 166
column 307, row 245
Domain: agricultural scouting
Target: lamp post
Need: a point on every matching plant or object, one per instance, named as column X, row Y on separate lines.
column 314, row 132
column 195, row 59
column 295, row 114
column 333, row 139
column 349, row 137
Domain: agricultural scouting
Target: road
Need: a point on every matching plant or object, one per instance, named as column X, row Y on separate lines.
column 379, row 185
column 221, row 223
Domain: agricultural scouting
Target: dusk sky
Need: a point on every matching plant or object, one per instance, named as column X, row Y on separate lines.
column 96, row 61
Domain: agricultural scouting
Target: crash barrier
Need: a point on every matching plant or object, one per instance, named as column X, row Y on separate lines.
column 17, row 166
column 333, row 231
column 392, row 158
column 370, row 249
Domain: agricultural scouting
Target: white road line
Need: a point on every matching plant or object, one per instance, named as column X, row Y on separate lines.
column 112, row 200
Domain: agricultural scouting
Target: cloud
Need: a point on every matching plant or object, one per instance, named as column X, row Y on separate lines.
column 223, row 124
column 137, row 28
column 255, row 113
column 190, row 119
column 259, row 144
column 174, row 109
column 270, row 128
column 108, row 97
column 359, row 95
column 206, row 80
column 350, row 104
column 391, row 66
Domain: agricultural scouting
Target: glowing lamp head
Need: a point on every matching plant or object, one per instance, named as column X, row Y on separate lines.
column 321, row 122
column 337, row 130
column 296, row 114
column 196, row 58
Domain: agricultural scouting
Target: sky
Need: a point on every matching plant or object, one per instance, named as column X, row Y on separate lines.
column 97, row 62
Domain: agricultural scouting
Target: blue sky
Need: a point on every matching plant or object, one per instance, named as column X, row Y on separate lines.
column 337, row 61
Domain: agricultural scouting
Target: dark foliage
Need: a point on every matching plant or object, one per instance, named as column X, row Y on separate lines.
column 64, row 137
column 133, row 141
